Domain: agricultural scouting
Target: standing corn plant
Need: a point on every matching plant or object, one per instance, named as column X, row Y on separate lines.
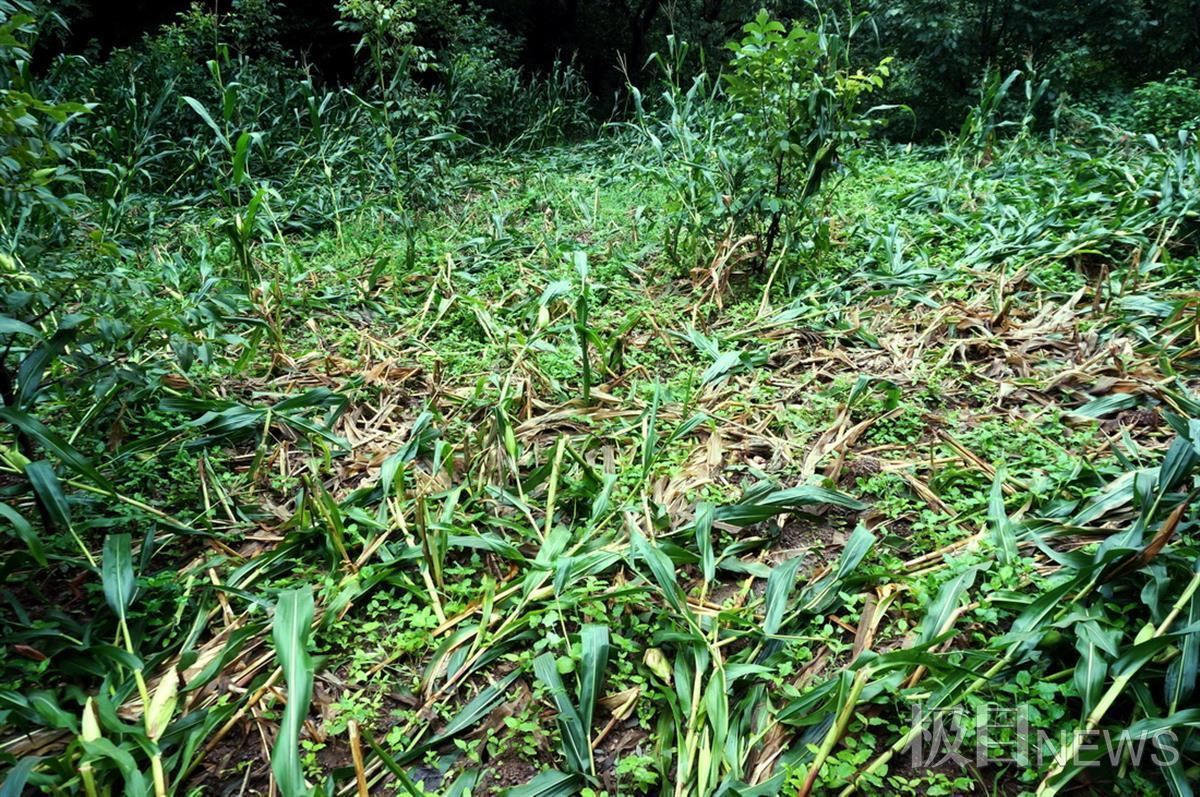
column 243, row 200
column 684, row 137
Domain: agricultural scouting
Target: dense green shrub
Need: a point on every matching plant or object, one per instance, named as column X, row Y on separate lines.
column 795, row 102
column 435, row 77
column 744, row 160
column 449, row 58
column 1165, row 107
column 37, row 183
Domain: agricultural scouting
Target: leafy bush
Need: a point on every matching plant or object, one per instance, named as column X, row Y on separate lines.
column 1165, row 107
column 37, row 183
column 434, row 77
column 794, row 98
column 1083, row 48
column 448, row 64
column 744, row 161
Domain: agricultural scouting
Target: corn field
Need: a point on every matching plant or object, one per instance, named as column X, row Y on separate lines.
column 448, row 428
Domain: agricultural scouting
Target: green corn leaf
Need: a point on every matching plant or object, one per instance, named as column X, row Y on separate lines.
column 687, row 427
column 594, row 645
column 507, row 434
column 49, row 491
column 45, row 483
column 1179, row 461
column 1181, row 673
column 25, row 531
column 1176, row 778
column 1106, row 405
column 236, row 641
column 763, row 501
column 1004, row 537
column 716, row 709
column 553, row 291
column 779, row 588
column 135, row 781
column 1188, row 718
column 106, row 713
column 704, row 529
column 17, row 777
column 12, row 326
column 479, row 707
column 34, row 366
column 290, row 632
column 1140, row 734
column 116, row 570
column 662, row 570
column 1030, row 626
column 576, row 745
column 907, row 658
column 549, row 784
column 56, row 445
column 45, row 704
column 1091, row 670
column 1114, row 495
column 821, row 595
column 855, row 550
column 1134, row 657
column 241, row 154
column 702, row 342
column 725, row 365
column 393, row 766
column 202, row 112
column 603, row 500
column 464, row 785
column 945, row 604
column 650, row 439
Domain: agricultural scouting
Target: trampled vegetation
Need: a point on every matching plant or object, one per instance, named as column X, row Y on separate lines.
column 423, row 434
